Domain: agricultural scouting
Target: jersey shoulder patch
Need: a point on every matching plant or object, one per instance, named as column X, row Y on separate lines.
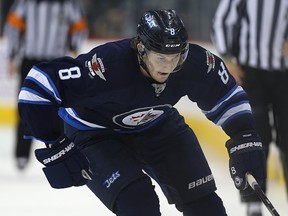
column 210, row 61
column 96, row 67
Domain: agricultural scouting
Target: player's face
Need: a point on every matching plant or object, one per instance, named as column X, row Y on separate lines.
column 160, row 66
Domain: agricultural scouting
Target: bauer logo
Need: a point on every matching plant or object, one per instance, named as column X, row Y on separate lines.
column 200, row 181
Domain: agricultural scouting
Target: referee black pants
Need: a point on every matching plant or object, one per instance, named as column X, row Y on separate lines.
column 267, row 92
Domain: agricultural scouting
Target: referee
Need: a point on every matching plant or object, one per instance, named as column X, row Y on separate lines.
column 36, row 31
column 252, row 38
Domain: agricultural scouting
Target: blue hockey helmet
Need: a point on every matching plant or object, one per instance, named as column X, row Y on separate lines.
column 163, row 31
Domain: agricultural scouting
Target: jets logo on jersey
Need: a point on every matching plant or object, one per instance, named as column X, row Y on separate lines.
column 210, row 61
column 96, row 67
column 140, row 117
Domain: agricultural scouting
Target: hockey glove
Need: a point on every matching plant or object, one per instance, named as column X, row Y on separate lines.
column 246, row 156
column 64, row 165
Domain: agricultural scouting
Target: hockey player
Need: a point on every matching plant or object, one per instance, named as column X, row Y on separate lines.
column 117, row 105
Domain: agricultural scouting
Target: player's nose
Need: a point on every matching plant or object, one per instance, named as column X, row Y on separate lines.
column 169, row 67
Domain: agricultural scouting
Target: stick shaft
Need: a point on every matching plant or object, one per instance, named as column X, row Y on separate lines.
column 255, row 186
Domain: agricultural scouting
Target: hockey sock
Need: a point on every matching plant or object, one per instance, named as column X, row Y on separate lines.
column 254, row 208
column 138, row 198
column 206, row 206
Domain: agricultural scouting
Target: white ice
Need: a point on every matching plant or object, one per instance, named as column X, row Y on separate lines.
column 28, row 193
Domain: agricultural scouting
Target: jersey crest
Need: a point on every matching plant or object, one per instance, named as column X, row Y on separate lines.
column 140, row 117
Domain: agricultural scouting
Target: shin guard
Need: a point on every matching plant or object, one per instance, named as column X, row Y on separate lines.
column 206, row 206
column 138, row 198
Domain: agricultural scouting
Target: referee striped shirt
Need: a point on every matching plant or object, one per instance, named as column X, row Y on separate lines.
column 252, row 31
column 44, row 29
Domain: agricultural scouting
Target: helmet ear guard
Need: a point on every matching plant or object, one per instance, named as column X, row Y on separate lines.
column 141, row 49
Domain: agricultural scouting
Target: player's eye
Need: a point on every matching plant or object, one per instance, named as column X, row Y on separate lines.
column 161, row 59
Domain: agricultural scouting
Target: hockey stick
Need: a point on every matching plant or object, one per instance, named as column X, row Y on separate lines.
column 255, row 186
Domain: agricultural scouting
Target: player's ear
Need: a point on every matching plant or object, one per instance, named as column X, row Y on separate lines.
column 141, row 49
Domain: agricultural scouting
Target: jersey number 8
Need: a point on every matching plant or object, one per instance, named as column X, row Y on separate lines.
column 223, row 73
column 71, row 73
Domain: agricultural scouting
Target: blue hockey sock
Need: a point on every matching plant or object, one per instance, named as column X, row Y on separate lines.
column 138, row 198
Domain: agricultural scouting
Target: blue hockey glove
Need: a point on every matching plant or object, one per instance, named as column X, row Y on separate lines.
column 64, row 165
column 246, row 155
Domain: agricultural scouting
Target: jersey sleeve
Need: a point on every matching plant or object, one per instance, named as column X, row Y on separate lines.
column 218, row 96
column 44, row 91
